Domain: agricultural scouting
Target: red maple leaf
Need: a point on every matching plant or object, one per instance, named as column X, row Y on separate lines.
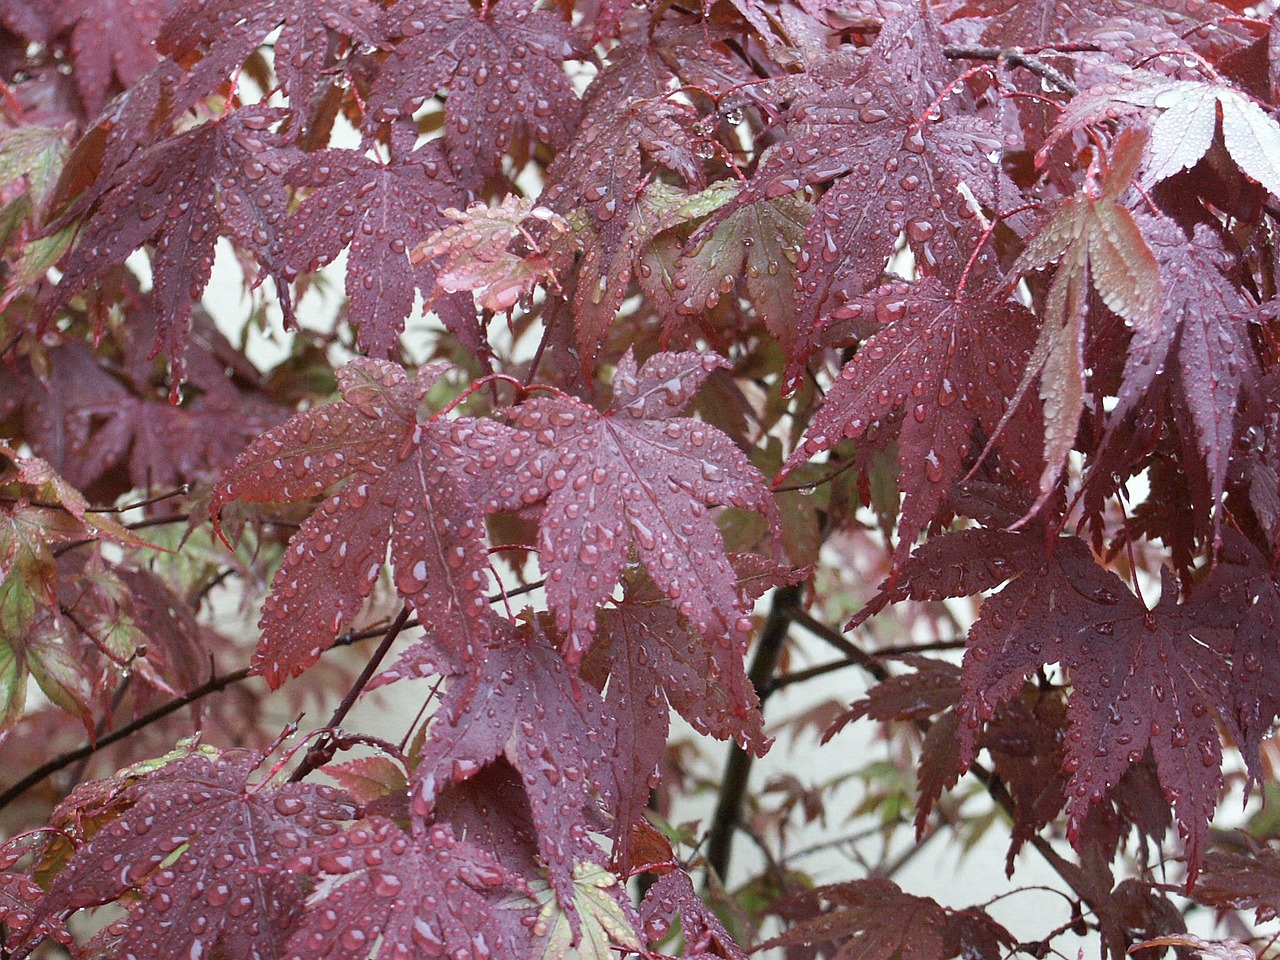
column 897, row 171
column 379, row 210
column 869, row 920
column 406, row 485
column 225, row 32
column 199, row 843
column 653, row 662
column 111, row 40
column 704, row 935
column 426, row 891
column 1140, row 678
column 629, row 131
column 180, row 194
column 1198, row 351
column 1125, row 29
column 637, row 475
column 522, row 703
column 941, row 373
column 501, row 67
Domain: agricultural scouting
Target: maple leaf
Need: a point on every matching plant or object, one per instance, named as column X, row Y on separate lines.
column 523, row 704
column 20, row 900
column 1184, row 118
column 426, row 891
column 478, row 255
column 1198, row 352
column 1125, row 29
column 946, row 369
column 654, row 662
column 491, row 809
column 1250, row 879
column 629, row 129
column 896, row 172
column 501, row 67
column 224, row 33
column 635, row 475
column 378, row 210
column 406, row 486
column 1241, row 598
column 177, row 194
column 870, row 920
column 111, row 41
column 1094, row 240
column 601, row 911
column 759, row 242
column 1140, row 678
column 673, row 895
column 198, row 842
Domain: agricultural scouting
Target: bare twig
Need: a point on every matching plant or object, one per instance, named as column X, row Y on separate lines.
column 322, row 750
column 1017, row 57
column 733, row 786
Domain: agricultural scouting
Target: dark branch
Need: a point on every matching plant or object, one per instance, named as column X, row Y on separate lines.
column 322, row 751
column 1018, row 58
column 733, row 786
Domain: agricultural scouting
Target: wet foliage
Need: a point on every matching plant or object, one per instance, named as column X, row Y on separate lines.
column 667, row 333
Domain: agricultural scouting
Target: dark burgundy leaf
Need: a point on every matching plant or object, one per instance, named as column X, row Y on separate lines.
column 944, row 369
column 522, row 703
column 427, row 893
column 871, row 920
column 637, row 476
column 704, row 935
column 225, row 32
column 655, row 662
column 113, row 42
column 179, row 194
column 501, row 67
column 379, row 211
column 1140, row 677
column 406, row 486
column 200, row 844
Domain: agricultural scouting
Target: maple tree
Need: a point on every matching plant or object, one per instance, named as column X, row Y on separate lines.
column 943, row 334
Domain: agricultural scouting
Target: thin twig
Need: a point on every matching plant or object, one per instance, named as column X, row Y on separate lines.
column 1014, row 57
column 322, row 750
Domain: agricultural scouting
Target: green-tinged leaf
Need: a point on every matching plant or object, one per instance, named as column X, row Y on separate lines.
column 599, row 901
column 63, row 676
column 13, row 678
column 1094, row 240
column 759, row 243
column 37, row 153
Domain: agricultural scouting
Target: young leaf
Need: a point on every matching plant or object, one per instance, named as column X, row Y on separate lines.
column 601, row 907
column 1094, row 240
